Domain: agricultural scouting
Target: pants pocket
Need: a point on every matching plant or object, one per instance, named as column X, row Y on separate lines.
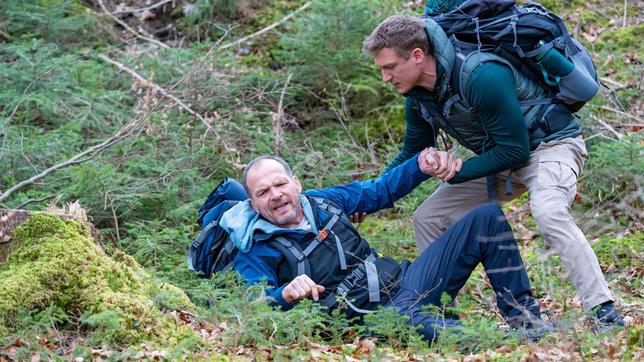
column 557, row 175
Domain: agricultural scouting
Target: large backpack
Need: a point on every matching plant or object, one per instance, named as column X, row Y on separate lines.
column 519, row 34
column 213, row 251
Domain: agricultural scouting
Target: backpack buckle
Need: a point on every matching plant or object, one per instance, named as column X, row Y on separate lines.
column 322, row 235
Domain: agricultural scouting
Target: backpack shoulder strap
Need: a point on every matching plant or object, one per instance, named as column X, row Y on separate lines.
column 470, row 61
column 295, row 257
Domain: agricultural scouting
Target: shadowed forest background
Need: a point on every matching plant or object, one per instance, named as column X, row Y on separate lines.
column 136, row 109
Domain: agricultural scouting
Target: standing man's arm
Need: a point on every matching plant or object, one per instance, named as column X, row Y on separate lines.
column 419, row 135
column 500, row 113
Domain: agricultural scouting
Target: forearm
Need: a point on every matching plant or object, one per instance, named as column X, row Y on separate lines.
column 376, row 194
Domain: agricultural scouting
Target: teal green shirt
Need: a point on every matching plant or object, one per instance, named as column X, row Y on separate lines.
column 490, row 90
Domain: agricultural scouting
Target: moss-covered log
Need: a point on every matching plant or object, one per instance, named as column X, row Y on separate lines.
column 54, row 261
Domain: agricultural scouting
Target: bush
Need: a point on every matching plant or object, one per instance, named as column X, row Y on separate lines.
column 323, row 46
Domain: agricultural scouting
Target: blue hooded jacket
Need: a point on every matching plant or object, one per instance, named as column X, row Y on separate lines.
column 257, row 261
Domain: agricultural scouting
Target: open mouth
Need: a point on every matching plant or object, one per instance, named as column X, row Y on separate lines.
column 280, row 207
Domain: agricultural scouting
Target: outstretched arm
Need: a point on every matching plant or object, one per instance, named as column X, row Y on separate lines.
column 373, row 195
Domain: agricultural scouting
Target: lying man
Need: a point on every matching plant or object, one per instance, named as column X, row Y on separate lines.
column 304, row 246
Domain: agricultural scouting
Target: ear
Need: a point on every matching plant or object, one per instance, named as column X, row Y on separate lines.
column 417, row 55
column 297, row 184
column 252, row 204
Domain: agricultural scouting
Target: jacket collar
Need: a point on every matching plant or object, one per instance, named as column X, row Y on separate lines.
column 244, row 225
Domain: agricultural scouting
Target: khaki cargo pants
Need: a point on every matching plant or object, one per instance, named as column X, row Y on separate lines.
column 551, row 179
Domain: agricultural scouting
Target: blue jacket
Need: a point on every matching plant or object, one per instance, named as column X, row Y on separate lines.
column 258, row 260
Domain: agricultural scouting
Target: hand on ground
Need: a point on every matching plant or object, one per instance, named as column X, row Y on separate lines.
column 357, row 218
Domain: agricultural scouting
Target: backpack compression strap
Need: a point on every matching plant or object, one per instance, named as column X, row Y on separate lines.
column 368, row 269
column 194, row 247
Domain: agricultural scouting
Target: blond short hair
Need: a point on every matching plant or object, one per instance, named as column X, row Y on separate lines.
column 402, row 33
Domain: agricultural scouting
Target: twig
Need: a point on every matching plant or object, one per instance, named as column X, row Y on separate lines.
column 608, row 127
column 613, row 82
column 153, row 6
column 31, row 201
column 78, row 158
column 266, row 29
column 277, row 118
column 148, row 83
column 625, row 7
column 611, row 109
column 128, row 28
column 121, row 134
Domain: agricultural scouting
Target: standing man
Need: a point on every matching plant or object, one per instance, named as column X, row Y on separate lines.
column 512, row 147
column 302, row 245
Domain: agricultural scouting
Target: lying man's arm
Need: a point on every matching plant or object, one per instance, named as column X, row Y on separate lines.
column 376, row 194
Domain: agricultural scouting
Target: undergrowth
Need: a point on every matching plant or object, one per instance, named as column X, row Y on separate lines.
column 340, row 123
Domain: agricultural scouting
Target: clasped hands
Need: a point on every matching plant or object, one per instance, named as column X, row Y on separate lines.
column 441, row 164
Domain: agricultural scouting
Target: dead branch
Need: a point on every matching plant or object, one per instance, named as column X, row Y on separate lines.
column 128, row 28
column 266, row 29
column 625, row 13
column 613, row 82
column 121, row 134
column 611, row 109
column 142, row 10
column 78, row 158
column 608, row 127
column 148, row 83
column 277, row 118
column 31, row 201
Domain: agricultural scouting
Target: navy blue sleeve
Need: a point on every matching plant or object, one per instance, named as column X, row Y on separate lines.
column 254, row 268
column 373, row 195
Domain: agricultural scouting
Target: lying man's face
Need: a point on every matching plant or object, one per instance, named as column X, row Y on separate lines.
column 274, row 194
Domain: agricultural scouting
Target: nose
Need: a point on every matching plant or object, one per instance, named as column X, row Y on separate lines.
column 274, row 193
column 386, row 77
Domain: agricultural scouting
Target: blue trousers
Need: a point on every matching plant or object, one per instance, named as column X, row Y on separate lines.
column 481, row 236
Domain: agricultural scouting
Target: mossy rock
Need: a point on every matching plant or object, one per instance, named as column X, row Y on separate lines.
column 56, row 262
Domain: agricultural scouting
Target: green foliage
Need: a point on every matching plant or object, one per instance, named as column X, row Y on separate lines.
column 56, row 265
column 621, row 252
column 624, row 38
column 614, row 169
column 63, row 22
column 252, row 321
column 323, row 47
column 392, row 328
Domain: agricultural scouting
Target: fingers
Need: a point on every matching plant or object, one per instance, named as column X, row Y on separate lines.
column 441, row 164
column 357, row 217
column 301, row 287
column 428, row 161
column 444, row 163
column 455, row 166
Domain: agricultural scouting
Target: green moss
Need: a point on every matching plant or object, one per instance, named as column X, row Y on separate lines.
column 629, row 38
column 623, row 252
column 636, row 336
column 55, row 262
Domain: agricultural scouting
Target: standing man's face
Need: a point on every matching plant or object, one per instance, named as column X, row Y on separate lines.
column 274, row 194
column 404, row 74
